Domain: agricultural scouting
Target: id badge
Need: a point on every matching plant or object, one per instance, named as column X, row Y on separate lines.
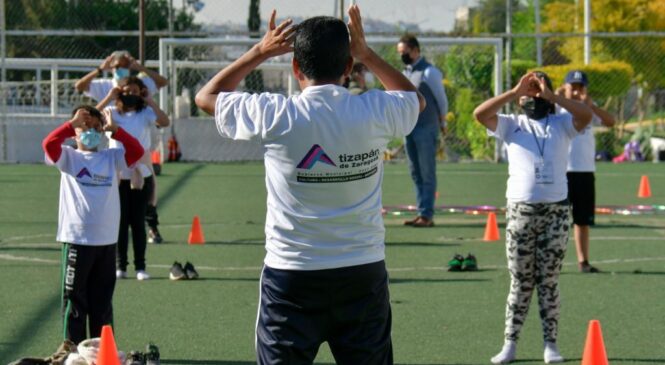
column 544, row 171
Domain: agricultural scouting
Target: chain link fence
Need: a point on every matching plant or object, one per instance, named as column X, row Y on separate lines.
column 50, row 44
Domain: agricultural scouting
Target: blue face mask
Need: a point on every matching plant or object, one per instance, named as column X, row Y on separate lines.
column 120, row 73
column 90, row 138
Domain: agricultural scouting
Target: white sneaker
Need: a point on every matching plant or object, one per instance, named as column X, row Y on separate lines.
column 119, row 274
column 507, row 353
column 552, row 355
column 142, row 275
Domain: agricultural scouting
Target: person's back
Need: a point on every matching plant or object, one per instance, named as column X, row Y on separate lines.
column 324, row 266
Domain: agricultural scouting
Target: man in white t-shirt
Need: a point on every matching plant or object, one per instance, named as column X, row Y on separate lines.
column 324, row 278
column 582, row 165
column 122, row 64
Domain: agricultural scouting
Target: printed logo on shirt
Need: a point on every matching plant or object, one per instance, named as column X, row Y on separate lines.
column 349, row 167
column 314, row 155
column 97, row 180
column 84, row 172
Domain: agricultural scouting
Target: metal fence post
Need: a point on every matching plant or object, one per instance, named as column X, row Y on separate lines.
column 54, row 90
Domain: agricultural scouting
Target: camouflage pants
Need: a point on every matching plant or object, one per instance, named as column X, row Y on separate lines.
column 536, row 238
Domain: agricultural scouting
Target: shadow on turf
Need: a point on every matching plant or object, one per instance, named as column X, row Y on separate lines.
column 634, row 272
column 246, row 241
column 229, row 362
column 422, row 244
column 19, row 248
column 178, row 184
column 411, row 281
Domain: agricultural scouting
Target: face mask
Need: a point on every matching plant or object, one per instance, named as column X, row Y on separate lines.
column 131, row 101
column 369, row 79
column 536, row 108
column 120, row 73
column 406, row 58
column 90, row 138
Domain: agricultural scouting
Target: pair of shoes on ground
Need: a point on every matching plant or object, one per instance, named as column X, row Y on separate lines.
column 420, row 222
column 178, row 272
column 460, row 263
column 586, row 268
column 149, row 357
column 154, row 236
column 551, row 354
column 140, row 274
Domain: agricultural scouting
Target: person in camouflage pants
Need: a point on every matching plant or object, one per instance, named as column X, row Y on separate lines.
column 536, row 239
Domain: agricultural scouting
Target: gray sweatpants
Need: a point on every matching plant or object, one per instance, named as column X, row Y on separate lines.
column 536, row 238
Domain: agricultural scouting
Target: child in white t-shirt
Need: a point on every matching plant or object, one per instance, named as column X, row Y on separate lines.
column 136, row 112
column 89, row 216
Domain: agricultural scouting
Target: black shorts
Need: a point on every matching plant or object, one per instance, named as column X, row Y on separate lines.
column 347, row 307
column 582, row 196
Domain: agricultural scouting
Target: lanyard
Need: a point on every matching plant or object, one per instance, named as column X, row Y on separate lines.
column 541, row 149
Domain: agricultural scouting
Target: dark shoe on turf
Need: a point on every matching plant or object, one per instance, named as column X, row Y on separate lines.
column 456, row 263
column 470, row 263
column 410, row 222
column 191, row 271
column 135, row 358
column 154, row 236
column 151, row 355
column 586, row 268
column 177, row 272
column 423, row 222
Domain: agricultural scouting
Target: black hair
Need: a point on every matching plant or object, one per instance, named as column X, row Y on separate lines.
column 91, row 110
column 131, row 80
column 410, row 40
column 321, row 48
column 548, row 82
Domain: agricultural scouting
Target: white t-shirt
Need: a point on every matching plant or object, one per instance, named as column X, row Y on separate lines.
column 138, row 125
column 324, row 167
column 89, row 212
column 554, row 134
column 582, row 152
column 99, row 88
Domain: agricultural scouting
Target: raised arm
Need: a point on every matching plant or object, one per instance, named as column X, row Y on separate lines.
column 112, row 95
column 83, row 84
column 390, row 78
column 486, row 113
column 606, row 118
column 162, row 118
column 160, row 81
column 52, row 144
column 278, row 40
column 133, row 149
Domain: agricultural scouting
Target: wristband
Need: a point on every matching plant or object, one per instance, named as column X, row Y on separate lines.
column 99, row 71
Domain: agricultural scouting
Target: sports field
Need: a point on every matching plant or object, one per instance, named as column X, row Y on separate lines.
column 438, row 317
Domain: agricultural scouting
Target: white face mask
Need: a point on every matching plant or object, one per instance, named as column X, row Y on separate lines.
column 369, row 79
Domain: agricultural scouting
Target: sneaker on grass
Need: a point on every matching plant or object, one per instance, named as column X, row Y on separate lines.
column 142, row 275
column 121, row 274
column 177, row 272
column 470, row 263
column 154, row 236
column 456, row 263
column 191, row 271
column 151, row 355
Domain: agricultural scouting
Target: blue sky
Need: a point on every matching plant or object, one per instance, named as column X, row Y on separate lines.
column 436, row 15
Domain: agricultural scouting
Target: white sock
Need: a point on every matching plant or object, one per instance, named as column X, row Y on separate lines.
column 552, row 354
column 507, row 353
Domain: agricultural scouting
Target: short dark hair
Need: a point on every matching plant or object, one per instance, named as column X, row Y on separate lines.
column 410, row 40
column 322, row 48
column 90, row 109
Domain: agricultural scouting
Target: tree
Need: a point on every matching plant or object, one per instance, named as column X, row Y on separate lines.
column 254, row 80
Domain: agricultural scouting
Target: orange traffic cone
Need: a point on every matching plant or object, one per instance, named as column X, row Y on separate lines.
column 594, row 349
column 156, row 157
column 645, row 188
column 491, row 228
column 108, row 353
column 196, row 233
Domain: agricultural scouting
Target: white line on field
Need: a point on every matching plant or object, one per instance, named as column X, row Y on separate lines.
column 28, row 259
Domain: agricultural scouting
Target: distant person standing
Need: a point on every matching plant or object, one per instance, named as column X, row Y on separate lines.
column 582, row 165
column 421, row 144
column 122, row 64
column 360, row 80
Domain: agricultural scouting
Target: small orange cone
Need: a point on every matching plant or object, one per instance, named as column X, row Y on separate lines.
column 645, row 188
column 108, row 352
column 594, row 349
column 196, row 233
column 156, row 157
column 491, row 228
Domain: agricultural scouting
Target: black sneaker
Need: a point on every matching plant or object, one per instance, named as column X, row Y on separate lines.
column 190, row 271
column 135, row 358
column 177, row 272
column 586, row 268
column 154, row 236
column 470, row 263
column 456, row 263
column 151, row 354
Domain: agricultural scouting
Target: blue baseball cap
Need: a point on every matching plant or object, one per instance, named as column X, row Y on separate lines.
column 576, row 77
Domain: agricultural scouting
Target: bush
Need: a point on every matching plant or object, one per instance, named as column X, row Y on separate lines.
column 467, row 137
column 518, row 68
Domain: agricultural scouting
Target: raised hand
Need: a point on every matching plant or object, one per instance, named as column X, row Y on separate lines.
column 109, row 124
column 359, row 47
column 278, row 39
column 134, row 65
column 527, row 86
column 80, row 119
column 106, row 64
column 544, row 91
